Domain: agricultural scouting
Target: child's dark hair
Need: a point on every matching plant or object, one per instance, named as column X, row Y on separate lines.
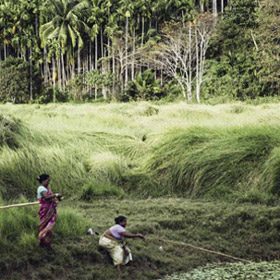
column 120, row 219
column 43, row 177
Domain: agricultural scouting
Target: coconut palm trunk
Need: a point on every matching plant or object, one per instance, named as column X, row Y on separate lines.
column 53, row 78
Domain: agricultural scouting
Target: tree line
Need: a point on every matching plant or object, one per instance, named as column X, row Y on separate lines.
column 90, row 46
column 131, row 49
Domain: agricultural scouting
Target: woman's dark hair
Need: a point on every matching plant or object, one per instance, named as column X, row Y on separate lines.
column 43, row 177
column 120, row 219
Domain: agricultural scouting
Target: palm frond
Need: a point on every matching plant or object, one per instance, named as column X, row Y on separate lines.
column 73, row 36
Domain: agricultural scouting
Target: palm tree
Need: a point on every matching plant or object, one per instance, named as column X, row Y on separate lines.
column 65, row 26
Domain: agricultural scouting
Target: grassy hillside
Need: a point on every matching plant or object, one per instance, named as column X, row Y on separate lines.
column 226, row 151
column 106, row 158
column 245, row 231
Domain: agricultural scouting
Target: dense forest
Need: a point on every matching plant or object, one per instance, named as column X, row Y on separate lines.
column 61, row 50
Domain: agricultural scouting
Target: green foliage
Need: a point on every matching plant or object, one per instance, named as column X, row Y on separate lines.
column 145, row 87
column 234, row 29
column 77, row 89
column 48, row 93
column 74, row 37
column 233, row 64
column 268, row 37
column 172, row 91
column 97, row 80
column 65, row 24
column 234, row 76
column 15, row 80
column 95, row 190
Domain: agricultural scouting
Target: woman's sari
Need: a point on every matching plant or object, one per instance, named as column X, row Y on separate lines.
column 119, row 252
column 47, row 213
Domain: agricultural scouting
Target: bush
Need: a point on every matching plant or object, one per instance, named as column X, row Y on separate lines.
column 97, row 189
column 77, row 88
column 49, row 94
column 146, row 110
column 145, row 87
column 15, row 81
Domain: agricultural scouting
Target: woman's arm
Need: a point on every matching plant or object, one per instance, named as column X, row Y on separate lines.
column 131, row 235
column 50, row 197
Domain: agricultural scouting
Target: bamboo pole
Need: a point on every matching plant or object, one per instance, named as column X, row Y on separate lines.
column 19, row 205
column 23, row 204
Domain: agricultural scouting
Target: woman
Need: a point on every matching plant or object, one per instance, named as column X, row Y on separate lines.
column 47, row 211
column 113, row 241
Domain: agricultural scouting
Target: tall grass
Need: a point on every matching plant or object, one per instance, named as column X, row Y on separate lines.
column 198, row 161
column 19, row 226
column 223, row 151
column 9, row 129
column 107, row 166
column 96, row 190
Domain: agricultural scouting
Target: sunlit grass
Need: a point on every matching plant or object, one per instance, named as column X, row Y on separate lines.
column 218, row 151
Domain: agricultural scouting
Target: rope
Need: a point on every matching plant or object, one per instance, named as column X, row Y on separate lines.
column 201, row 249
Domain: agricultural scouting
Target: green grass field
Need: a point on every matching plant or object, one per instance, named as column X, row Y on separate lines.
column 200, row 174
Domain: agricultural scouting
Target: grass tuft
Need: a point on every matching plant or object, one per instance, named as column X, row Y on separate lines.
column 216, row 162
column 10, row 128
column 94, row 190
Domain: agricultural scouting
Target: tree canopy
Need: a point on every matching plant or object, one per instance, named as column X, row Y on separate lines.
column 69, row 38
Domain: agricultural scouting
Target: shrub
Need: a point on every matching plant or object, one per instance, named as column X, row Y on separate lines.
column 15, row 80
column 146, row 110
column 145, row 87
column 77, row 88
column 51, row 94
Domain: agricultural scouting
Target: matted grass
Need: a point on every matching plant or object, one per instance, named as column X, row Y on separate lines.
column 225, row 151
